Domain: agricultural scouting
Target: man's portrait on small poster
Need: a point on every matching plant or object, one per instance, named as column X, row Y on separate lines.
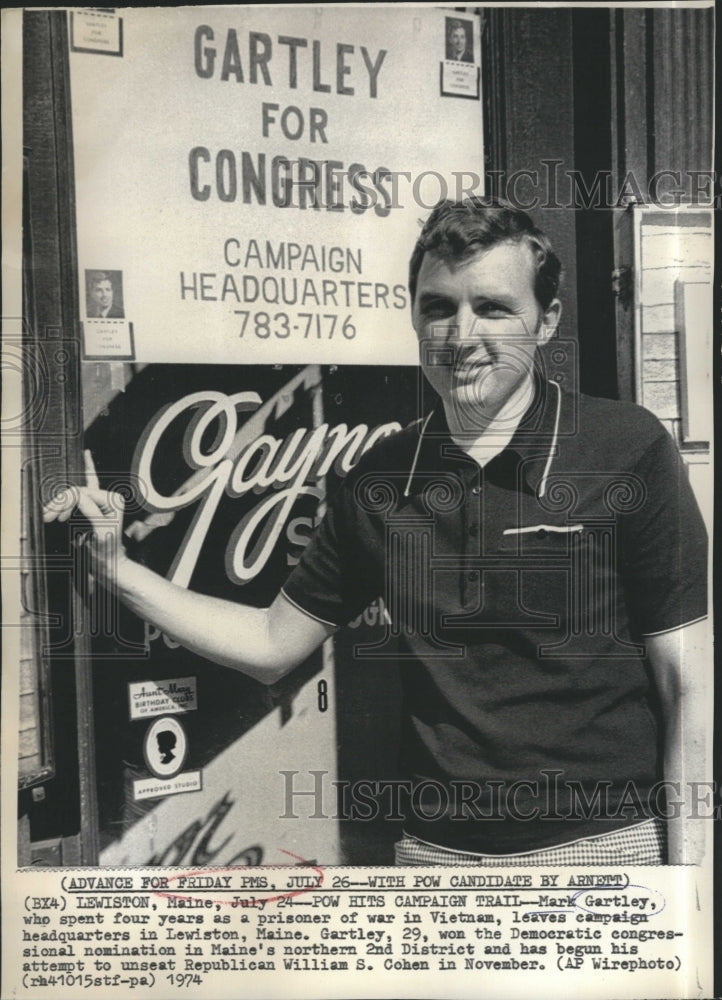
column 459, row 40
column 104, row 294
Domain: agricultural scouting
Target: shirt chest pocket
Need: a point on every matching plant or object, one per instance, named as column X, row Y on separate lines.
column 548, row 562
column 537, row 539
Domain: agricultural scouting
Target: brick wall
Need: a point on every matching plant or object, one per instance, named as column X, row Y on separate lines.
column 673, row 349
column 672, row 247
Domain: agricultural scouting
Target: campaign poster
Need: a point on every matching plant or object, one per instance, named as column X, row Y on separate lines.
column 245, row 194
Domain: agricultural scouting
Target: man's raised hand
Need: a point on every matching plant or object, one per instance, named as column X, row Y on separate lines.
column 102, row 510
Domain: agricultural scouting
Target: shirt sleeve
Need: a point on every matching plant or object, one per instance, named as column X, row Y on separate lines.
column 334, row 580
column 664, row 545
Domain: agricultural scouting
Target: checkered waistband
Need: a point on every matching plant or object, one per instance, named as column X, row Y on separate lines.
column 642, row 844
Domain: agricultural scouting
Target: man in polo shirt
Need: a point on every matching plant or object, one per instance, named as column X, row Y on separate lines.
column 543, row 561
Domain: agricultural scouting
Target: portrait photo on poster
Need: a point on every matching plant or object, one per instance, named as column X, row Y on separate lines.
column 459, row 40
column 459, row 71
column 104, row 294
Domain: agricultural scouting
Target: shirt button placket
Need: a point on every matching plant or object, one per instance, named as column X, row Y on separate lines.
column 469, row 577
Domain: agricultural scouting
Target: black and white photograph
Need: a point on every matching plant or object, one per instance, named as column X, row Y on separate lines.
column 104, row 294
column 459, row 40
column 357, row 594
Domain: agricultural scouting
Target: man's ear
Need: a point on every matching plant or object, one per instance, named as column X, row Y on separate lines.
column 550, row 321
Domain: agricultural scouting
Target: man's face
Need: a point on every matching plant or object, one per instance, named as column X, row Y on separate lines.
column 458, row 41
column 102, row 294
column 479, row 323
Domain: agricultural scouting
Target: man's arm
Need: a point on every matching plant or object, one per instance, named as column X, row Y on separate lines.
column 678, row 660
column 263, row 643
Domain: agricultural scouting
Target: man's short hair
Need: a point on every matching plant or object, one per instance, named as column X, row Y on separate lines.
column 457, row 230
column 97, row 276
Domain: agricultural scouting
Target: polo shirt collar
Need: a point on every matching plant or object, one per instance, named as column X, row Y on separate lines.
column 535, row 440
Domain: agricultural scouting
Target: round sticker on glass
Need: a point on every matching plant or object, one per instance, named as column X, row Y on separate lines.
column 165, row 747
